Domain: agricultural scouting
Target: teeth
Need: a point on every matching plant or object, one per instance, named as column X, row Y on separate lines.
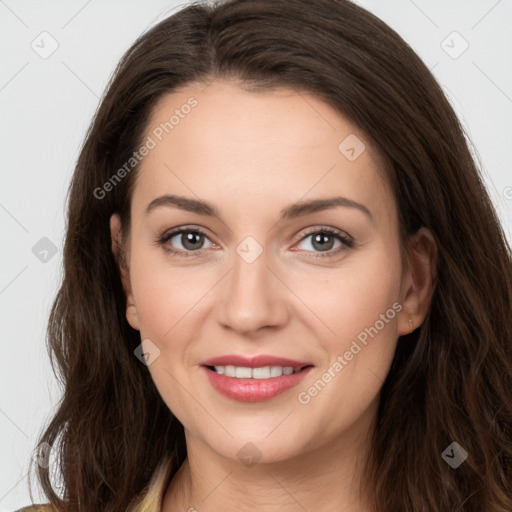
column 243, row 373
column 266, row 372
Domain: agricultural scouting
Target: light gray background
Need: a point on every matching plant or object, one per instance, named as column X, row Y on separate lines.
column 46, row 106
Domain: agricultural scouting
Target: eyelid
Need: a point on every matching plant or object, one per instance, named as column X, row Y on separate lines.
column 325, row 229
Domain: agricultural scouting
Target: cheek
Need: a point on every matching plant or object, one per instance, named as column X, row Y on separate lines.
column 364, row 296
column 351, row 298
column 168, row 301
column 164, row 294
column 359, row 304
column 355, row 326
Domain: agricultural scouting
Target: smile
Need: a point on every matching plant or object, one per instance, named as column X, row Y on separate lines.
column 254, row 384
column 264, row 372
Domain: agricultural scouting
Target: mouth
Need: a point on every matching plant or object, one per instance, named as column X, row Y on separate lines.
column 247, row 384
column 262, row 372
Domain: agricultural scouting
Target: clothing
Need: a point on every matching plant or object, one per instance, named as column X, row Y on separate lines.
column 148, row 501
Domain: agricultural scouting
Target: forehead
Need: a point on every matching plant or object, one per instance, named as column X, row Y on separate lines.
column 263, row 144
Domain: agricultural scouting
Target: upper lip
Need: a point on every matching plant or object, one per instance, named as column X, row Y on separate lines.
column 253, row 362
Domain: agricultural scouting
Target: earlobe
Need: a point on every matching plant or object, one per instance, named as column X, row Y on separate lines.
column 420, row 280
column 122, row 263
column 131, row 316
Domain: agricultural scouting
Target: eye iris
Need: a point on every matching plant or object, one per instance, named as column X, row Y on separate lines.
column 188, row 238
column 323, row 240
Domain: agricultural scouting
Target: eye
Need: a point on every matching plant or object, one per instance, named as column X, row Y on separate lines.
column 323, row 240
column 186, row 242
column 191, row 240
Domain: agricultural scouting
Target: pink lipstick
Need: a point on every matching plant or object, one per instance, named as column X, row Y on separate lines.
column 254, row 379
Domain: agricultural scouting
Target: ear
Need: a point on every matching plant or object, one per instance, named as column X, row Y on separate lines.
column 419, row 280
column 122, row 262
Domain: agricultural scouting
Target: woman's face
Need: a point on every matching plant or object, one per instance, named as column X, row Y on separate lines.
column 270, row 275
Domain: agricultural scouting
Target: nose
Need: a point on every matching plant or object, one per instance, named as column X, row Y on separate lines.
column 254, row 298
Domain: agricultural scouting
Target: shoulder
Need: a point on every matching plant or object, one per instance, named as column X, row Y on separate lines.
column 37, row 508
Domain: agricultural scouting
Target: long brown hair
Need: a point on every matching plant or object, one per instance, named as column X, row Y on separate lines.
column 450, row 380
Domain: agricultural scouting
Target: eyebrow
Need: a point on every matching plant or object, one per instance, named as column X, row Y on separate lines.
column 291, row 212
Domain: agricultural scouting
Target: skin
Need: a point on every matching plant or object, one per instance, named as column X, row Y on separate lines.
column 251, row 155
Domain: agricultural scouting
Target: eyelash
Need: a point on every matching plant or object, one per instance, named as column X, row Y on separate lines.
column 346, row 241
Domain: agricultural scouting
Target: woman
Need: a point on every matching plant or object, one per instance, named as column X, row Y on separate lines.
column 285, row 285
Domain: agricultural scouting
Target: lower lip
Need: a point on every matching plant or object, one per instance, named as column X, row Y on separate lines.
column 254, row 390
